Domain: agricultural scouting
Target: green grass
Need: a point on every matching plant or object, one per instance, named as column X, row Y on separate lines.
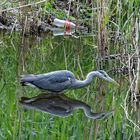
column 17, row 123
column 80, row 56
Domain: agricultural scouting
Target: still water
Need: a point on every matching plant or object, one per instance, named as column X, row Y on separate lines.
column 47, row 53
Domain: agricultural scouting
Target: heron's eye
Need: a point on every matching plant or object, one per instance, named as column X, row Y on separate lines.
column 105, row 75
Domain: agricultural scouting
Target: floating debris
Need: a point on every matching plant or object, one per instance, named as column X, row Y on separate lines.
column 64, row 27
column 63, row 23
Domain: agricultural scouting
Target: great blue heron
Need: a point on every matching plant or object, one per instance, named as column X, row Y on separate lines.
column 60, row 105
column 59, row 81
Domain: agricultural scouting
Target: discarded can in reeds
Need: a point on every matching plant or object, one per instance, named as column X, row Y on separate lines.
column 63, row 23
column 65, row 27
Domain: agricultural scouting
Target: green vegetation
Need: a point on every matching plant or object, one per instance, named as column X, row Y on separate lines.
column 113, row 46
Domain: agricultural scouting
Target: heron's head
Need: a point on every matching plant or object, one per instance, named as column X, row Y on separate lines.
column 103, row 75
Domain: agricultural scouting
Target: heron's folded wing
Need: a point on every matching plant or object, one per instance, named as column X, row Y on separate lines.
column 53, row 83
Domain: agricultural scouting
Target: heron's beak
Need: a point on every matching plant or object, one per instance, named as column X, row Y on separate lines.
column 113, row 81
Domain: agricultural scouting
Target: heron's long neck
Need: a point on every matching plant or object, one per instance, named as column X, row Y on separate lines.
column 87, row 81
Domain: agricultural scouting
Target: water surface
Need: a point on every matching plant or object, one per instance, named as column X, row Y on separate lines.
column 44, row 54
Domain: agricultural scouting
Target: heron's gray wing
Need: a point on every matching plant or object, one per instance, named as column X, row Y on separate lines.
column 53, row 83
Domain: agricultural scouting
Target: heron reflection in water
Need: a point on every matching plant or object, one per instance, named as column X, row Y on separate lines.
column 59, row 81
column 60, row 105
